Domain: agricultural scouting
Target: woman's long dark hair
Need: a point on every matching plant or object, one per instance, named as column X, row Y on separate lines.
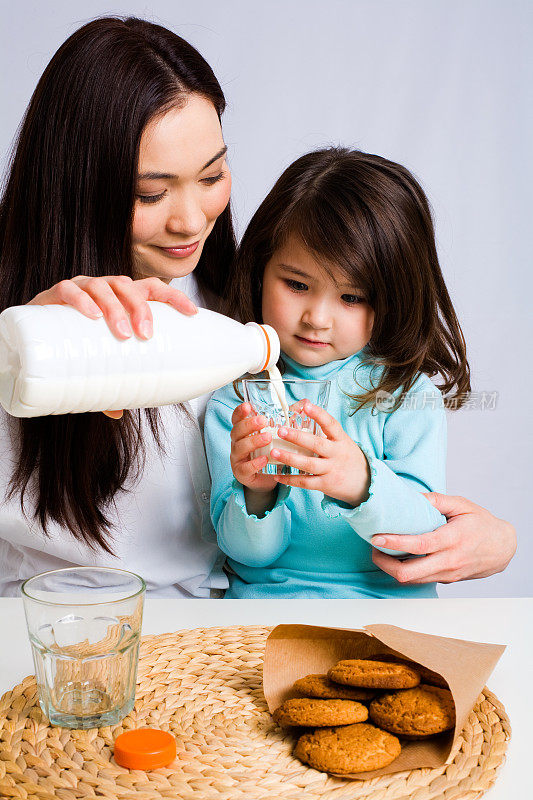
column 370, row 218
column 67, row 210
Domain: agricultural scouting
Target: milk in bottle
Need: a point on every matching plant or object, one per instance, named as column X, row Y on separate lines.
column 54, row 360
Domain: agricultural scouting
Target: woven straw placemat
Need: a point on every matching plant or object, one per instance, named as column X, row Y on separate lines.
column 204, row 686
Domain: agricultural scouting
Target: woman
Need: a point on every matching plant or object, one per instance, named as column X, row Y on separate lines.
column 118, row 194
column 119, row 170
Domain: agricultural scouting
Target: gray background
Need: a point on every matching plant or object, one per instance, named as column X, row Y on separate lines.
column 442, row 86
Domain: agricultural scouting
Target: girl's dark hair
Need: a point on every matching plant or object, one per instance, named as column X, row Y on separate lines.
column 370, row 218
column 67, row 210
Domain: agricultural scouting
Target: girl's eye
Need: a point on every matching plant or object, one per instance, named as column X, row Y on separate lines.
column 353, row 299
column 150, row 198
column 296, row 286
column 213, row 179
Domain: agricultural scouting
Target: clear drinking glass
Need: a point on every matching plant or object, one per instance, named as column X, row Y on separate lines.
column 84, row 625
column 264, row 399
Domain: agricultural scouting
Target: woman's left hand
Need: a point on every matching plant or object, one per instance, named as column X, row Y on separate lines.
column 339, row 469
column 472, row 544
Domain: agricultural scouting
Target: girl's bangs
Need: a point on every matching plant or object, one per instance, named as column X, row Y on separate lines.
column 335, row 239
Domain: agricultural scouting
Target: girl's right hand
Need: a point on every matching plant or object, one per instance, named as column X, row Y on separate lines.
column 244, row 440
column 122, row 302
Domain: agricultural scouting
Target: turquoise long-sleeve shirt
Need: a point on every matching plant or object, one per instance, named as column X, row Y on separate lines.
column 310, row 545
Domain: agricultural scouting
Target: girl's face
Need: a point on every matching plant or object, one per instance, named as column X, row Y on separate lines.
column 318, row 318
column 183, row 184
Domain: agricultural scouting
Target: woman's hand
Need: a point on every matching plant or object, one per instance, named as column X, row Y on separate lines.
column 119, row 299
column 472, row 544
column 245, row 438
column 339, row 468
column 122, row 302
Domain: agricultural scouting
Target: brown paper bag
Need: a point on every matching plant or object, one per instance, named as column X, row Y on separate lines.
column 293, row 651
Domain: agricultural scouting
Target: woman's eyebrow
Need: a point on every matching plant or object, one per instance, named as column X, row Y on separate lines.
column 154, row 176
column 218, row 155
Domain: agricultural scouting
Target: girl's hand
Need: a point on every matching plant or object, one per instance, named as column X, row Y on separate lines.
column 472, row 544
column 244, row 440
column 339, row 469
column 120, row 300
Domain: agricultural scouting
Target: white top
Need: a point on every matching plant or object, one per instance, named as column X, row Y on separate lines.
column 161, row 528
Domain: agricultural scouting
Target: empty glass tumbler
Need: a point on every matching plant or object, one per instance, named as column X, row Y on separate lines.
column 84, row 625
column 281, row 402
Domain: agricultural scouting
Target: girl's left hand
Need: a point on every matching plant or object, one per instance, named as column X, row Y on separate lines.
column 339, row 469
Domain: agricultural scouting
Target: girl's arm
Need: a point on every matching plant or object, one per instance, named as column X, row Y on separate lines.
column 414, row 461
column 414, row 453
column 243, row 536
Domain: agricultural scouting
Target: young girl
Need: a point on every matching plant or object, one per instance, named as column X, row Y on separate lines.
column 340, row 259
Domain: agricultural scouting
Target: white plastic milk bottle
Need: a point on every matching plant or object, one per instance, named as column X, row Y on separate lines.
column 54, row 360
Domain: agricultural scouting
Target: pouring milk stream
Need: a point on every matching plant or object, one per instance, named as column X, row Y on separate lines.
column 277, row 392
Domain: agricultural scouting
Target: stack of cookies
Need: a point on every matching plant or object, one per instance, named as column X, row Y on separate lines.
column 403, row 701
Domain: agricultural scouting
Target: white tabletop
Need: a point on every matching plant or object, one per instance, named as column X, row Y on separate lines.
column 498, row 621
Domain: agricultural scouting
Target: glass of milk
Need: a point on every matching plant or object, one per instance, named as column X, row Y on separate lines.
column 281, row 400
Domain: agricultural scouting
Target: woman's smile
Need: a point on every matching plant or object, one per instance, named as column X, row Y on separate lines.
column 179, row 251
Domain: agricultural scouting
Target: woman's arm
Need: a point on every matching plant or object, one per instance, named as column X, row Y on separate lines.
column 472, row 544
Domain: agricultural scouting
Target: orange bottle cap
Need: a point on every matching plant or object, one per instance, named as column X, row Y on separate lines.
column 145, row 748
column 267, row 360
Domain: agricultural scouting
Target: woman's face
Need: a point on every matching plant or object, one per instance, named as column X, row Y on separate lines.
column 183, row 184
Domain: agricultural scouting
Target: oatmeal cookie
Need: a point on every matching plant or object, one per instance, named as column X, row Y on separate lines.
column 374, row 674
column 415, row 713
column 352, row 748
column 311, row 712
column 426, row 675
column 321, row 686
